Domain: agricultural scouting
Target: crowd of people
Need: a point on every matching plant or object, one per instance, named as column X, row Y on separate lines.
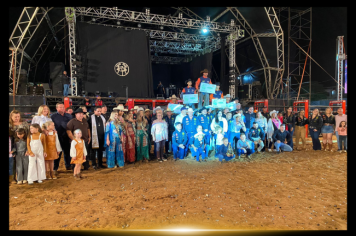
column 126, row 136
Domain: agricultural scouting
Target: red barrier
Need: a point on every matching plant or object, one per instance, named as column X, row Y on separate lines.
column 342, row 102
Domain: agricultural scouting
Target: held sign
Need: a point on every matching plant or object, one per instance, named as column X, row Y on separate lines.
column 219, row 103
column 190, row 98
column 207, row 88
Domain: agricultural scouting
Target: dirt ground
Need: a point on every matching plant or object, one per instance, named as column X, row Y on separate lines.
column 301, row 190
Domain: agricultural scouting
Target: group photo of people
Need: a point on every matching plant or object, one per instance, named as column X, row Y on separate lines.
column 141, row 135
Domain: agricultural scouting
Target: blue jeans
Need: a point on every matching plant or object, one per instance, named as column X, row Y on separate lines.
column 179, row 152
column 290, row 143
column 221, row 157
column 197, row 153
column 339, row 142
column 240, row 151
column 232, row 136
column 315, row 138
column 65, row 89
column 283, row 146
column 343, row 138
column 11, row 165
column 204, row 96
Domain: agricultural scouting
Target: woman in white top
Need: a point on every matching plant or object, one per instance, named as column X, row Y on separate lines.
column 219, row 121
column 273, row 124
column 159, row 133
column 43, row 115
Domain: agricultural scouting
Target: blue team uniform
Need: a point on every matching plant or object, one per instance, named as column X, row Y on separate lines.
column 189, row 90
column 177, row 139
column 200, row 146
column 190, row 125
column 205, row 122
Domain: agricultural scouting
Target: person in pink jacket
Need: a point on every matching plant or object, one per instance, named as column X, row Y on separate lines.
column 342, row 131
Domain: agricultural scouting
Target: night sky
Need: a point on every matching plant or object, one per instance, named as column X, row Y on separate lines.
column 328, row 23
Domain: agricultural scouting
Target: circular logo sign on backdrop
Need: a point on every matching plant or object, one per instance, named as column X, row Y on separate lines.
column 121, row 68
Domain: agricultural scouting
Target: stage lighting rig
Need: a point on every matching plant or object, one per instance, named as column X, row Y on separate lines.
column 110, row 94
column 139, row 25
column 118, row 22
column 207, row 18
column 97, row 93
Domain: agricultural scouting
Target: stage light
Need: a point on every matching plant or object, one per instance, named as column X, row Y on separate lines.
column 232, row 23
column 93, row 19
column 147, row 11
column 161, row 27
column 97, row 93
column 182, row 30
column 180, row 15
column 204, row 30
column 118, row 22
column 207, row 18
column 139, row 25
column 84, row 93
column 110, row 94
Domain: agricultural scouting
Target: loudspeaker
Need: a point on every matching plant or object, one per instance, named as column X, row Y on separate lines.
column 55, row 69
column 243, row 92
column 21, row 89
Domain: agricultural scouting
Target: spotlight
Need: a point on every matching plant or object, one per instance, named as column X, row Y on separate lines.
column 207, row 18
column 180, row 15
column 139, row 25
column 118, row 22
column 182, row 30
column 93, row 19
column 110, row 94
column 147, row 11
column 97, row 93
column 232, row 22
column 161, row 27
column 205, row 30
column 175, row 36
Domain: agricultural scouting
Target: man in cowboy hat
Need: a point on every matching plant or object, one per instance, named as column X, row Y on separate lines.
column 80, row 123
column 190, row 123
column 218, row 93
column 203, row 96
column 97, row 129
column 189, row 90
column 170, row 119
column 173, row 99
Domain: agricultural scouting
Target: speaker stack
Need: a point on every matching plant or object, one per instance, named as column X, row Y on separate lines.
column 56, row 71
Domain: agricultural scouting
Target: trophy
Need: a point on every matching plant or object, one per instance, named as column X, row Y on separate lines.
column 230, row 152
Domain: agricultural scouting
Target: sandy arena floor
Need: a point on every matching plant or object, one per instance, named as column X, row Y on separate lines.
column 302, row 190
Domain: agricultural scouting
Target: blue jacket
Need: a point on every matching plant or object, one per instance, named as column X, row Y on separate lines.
column 204, row 121
column 197, row 143
column 256, row 133
column 190, row 125
column 179, row 138
column 187, row 90
column 229, row 124
column 250, row 118
column 217, row 94
column 241, row 144
column 170, row 122
column 223, row 149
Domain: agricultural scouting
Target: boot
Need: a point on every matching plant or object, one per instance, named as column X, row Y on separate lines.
column 80, row 175
column 330, row 147
column 324, row 146
column 48, row 176
column 13, row 181
column 77, row 177
column 51, row 174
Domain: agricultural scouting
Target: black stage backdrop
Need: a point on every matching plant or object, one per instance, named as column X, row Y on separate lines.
column 102, row 47
column 200, row 63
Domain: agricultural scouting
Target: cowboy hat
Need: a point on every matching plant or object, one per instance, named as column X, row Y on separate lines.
column 148, row 110
column 136, row 107
column 236, row 115
column 204, row 71
column 139, row 109
column 183, row 108
column 157, row 108
column 168, row 109
column 173, row 97
column 203, row 108
column 119, row 107
column 79, row 110
column 274, row 111
column 190, row 110
column 227, row 96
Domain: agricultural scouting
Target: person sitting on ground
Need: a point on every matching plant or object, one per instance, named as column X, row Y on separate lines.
column 198, row 147
column 244, row 146
column 256, row 135
column 222, row 152
column 179, row 142
column 281, row 137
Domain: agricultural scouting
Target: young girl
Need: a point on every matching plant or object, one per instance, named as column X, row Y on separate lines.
column 37, row 148
column 21, row 154
column 219, row 139
column 342, row 131
column 78, row 152
column 53, row 148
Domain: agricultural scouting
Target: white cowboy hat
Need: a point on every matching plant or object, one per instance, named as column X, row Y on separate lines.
column 157, row 108
column 227, row 96
column 135, row 107
column 139, row 109
column 274, row 111
column 238, row 114
column 125, row 109
column 190, row 110
column 148, row 110
column 119, row 107
column 173, row 96
column 199, row 133
column 168, row 109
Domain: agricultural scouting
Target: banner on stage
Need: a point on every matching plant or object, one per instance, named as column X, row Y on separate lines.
column 175, row 108
column 190, row 98
column 207, row 88
column 231, row 106
column 219, row 103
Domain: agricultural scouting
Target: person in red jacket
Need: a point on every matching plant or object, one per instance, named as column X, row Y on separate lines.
column 203, row 96
column 98, row 101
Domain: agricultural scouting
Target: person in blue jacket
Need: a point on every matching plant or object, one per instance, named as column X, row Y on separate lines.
column 206, row 140
column 222, row 151
column 190, row 123
column 189, row 90
column 281, row 137
column 244, row 146
column 179, row 142
column 198, row 147
column 204, row 121
column 256, row 135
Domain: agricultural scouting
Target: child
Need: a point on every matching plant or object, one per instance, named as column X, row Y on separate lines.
column 243, row 146
column 36, row 146
column 218, row 139
column 222, row 151
column 11, row 161
column 78, row 152
column 189, row 90
column 21, row 154
column 198, row 146
column 342, row 131
column 179, row 142
column 53, row 148
column 218, row 93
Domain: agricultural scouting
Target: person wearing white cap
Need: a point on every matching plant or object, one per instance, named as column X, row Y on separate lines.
column 273, row 124
column 198, row 146
column 190, row 123
column 142, row 143
column 170, row 119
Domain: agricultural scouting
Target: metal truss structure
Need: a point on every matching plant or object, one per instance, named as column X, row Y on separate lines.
column 232, row 77
column 273, row 18
column 71, row 19
column 29, row 20
column 340, row 57
column 167, row 60
column 299, row 31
